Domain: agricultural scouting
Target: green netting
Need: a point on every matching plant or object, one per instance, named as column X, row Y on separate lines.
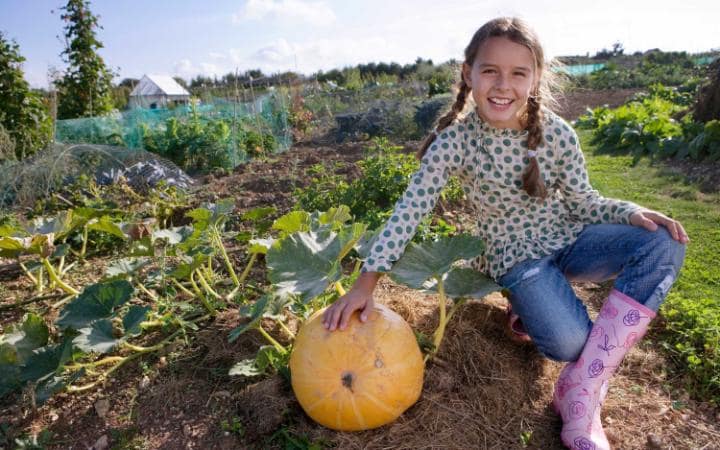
column 22, row 183
column 232, row 124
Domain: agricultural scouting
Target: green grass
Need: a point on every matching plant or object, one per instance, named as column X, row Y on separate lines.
column 692, row 309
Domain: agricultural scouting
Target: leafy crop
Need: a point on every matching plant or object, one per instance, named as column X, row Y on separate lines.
column 647, row 126
column 384, row 175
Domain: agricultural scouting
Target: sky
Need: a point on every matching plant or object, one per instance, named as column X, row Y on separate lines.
column 213, row 37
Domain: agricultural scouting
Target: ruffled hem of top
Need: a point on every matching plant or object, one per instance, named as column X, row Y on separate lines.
column 516, row 251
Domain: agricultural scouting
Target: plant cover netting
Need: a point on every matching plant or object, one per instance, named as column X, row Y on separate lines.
column 24, row 182
column 265, row 116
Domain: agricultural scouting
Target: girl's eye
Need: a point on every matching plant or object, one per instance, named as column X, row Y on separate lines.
column 520, row 74
column 488, row 71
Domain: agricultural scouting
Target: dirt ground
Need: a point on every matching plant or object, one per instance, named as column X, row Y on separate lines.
column 483, row 391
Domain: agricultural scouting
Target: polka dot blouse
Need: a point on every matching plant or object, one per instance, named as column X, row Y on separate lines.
column 490, row 163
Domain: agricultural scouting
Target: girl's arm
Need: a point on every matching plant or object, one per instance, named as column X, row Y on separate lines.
column 443, row 158
column 587, row 203
column 581, row 199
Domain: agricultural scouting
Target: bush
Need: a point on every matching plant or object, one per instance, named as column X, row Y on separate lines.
column 647, row 125
column 385, row 174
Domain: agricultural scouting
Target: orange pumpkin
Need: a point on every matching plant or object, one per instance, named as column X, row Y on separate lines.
column 359, row 378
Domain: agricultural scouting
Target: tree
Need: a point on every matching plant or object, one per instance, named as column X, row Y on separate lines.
column 86, row 88
column 24, row 121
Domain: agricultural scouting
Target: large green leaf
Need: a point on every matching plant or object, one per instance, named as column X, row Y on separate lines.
column 46, row 361
column 305, row 263
column 212, row 214
column 9, row 370
column 433, row 259
column 105, row 224
column 266, row 357
column 31, row 334
column 59, row 225
column 252, row 312
column 97, row 301
column 335, row 216
column 257, row 214
column 39, row 244
column 99, row 337
column 292, row 222
column 260, row 246
column 465, row 283
column 133, row 318
column 52, row 385
column 11, row 247
column 126, row 267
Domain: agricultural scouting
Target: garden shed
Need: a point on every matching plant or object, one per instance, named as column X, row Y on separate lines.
column 158, row 91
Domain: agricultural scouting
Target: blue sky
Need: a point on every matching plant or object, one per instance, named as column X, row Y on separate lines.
column 213, row 37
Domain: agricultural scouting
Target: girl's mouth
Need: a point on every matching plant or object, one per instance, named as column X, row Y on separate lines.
column 500, row 103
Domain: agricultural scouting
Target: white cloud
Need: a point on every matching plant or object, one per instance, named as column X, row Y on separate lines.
column 316, row 13
column 217, row 55
column 187, row 69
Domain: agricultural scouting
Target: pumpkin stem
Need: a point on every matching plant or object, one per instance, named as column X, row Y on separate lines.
column 347, row 380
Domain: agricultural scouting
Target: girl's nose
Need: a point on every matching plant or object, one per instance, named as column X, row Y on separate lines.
column 502, row 82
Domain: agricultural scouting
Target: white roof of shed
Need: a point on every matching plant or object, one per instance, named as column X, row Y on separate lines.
column 158, row 85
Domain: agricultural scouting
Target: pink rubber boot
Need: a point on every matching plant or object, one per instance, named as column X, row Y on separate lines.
column 581, row 387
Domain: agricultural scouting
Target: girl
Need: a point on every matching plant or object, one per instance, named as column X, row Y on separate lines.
column 542, row 223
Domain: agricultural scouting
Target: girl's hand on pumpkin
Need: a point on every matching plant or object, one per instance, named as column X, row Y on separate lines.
column 339, row 313
column 650, row 220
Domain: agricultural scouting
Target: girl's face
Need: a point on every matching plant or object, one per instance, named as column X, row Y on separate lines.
column 501, row 79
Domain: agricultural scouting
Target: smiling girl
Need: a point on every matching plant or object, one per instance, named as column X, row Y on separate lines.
column 543, row 225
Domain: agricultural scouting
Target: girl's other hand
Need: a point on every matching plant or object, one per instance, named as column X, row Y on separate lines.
column 343, row 308
column 650, row 220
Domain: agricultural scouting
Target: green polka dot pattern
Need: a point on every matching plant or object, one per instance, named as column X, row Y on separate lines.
column 490, row 163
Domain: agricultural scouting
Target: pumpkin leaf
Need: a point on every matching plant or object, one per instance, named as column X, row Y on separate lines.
column 133, row 318
column 433, row 259
column 257, row 214
column 125, row 267
column 260, row 246
column 97, row 301
column 98, row 338
column 305, row 263
column 465, row 283
column 55, row 384
column 9, row 370
column 31, row 334
column 252, row 312
column 266, row 357
column 292, row 222
column 46, row 361
column 105, row 224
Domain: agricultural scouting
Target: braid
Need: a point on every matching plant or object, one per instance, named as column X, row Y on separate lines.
column 532, row 180
column 447, row 119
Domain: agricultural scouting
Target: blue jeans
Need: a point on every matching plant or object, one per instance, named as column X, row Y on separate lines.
column 644, row 264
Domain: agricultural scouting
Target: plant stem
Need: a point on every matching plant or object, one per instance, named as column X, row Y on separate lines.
column 147, row 292
column 124, row 360
column 28, row 273
column 28, row 301
column 339, row 288
column 84, row 242
column 287, row 330
column 247, row 268
column 199, row 293
column 225, row 256
column 182, row 288
column 443, row 319
column 272, row 341
column 53, row 276
column 206, row 285
column 97, row 363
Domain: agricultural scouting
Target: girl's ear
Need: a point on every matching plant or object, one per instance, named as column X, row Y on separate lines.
column 466, row 71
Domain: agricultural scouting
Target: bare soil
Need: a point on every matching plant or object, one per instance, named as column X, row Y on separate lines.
column 482, row 390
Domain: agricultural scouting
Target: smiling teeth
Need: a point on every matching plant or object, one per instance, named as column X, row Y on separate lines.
column 501, row 101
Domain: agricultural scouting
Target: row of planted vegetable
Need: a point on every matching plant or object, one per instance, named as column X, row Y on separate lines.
column 164, row 282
